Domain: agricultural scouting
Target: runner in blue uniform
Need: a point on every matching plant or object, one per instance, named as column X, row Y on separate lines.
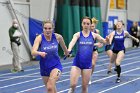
column 96, row 44
column 118, row 37
column 50, row 66
column 82, row 64
column 108, row 50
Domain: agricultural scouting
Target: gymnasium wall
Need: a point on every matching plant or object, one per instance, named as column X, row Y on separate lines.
column 42, row 9
column 37, row 9
column 133, row 13
column 22, row 10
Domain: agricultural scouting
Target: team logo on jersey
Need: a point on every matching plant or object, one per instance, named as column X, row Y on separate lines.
column 86, row 43
column 44, row 48
column 50, row 47
column 118, row 36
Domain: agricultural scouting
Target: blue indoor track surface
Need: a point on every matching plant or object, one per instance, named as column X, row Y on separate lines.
column 30, row 80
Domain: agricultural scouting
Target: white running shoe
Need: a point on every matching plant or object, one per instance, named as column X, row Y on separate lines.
column 118, row 80
column 89, row 82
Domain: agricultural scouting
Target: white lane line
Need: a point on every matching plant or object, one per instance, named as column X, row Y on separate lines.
column 20, row 83
column 36, row 68
column 39, row 86
column 65, row 72
column 78, row 85
column 40, row 78
column 119, row 85
column 127, row 52
column 17, row 77
column 24, row 76
column 129, row 57
column 138, row 92
column 100, row 79
column 14, row 73
column 96, row 75
column 69, row 79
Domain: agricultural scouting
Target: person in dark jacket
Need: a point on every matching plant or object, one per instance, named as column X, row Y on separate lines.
column 14, row 35
column 134, row 31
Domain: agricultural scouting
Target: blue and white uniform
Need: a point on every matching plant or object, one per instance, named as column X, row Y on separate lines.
column 118, row 42
column 52, row 59
column 83, row 58
column 95, row 48
column 110, row 46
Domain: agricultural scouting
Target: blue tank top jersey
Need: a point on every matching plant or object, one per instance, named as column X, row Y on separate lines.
column 96, row 33
column 118, row 41
column 51, row 48
column 95, row 48
column 83, row 57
